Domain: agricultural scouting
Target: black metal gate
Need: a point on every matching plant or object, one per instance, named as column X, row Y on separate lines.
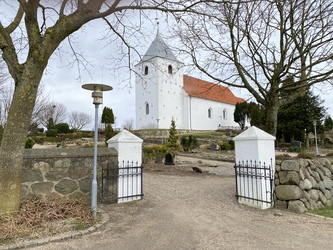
column 122, row 183
column 254, row 182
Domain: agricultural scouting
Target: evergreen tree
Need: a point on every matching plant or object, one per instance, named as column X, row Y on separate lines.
column 241, row 113
column 107, row 116
column 297, row 117
column 173, row 139
column 108, row 119
column 328, row 123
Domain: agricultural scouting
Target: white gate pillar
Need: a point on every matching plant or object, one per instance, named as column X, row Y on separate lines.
column 255, row 156
column 129, row 148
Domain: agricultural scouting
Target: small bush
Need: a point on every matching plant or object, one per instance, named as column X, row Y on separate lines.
column 51, row 132
column 149, row 153
column 189, row 143
column 329, row 154
column 295, row 149
column 29, row 143
column 305, row 155
column 225, row 146
column 230, row 145
column 62, row 128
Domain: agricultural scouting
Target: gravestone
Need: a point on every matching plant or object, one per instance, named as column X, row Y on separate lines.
column 158, row 159
column 296, row 144
column 169, row 159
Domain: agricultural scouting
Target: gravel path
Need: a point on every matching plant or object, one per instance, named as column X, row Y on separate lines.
column 186, row 210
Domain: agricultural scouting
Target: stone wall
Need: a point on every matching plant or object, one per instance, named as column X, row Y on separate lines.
column 63, row 171
column 302, row 184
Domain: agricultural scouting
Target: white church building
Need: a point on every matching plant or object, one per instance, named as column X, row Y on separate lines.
column 163, row 92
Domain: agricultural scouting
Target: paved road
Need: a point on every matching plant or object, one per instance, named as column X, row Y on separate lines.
column 199, row 211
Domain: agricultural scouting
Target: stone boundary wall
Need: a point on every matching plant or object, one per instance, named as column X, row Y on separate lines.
column 303, row 184
column 63, row 171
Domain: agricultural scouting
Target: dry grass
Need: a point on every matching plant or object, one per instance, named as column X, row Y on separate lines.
column 44, row 217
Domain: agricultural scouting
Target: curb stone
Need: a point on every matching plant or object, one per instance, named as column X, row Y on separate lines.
column 60, row 237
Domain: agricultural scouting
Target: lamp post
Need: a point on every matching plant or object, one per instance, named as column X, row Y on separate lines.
column 97, row 96
column 315, row 131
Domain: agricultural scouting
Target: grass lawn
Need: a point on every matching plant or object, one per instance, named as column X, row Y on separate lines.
column 326, row 211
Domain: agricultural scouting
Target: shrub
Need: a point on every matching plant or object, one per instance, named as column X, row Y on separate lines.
column 225, row 146
column 149, row 153
column 189, row 143
column 295, row 149
column 51, row 132
column 62, row 128
column 305, row 155
column 29, row 143
column 230, row 145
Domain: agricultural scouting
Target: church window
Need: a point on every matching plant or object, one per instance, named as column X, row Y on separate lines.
column 170, row 69
column 147, row 108
column 146, row 70
column 210, row 113
column 224, row 114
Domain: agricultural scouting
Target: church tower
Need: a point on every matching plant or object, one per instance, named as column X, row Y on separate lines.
column 159, row 88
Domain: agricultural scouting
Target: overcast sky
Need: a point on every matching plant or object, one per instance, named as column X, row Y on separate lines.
column 63, row 83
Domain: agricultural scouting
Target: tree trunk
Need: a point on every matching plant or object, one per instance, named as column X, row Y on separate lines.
column 271, row 116
column 12, row 145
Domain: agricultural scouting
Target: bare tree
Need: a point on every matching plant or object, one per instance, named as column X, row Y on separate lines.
column 129, row 124
column 77, row 120
column 37, row 29
column 51, row 110
column 261, row 45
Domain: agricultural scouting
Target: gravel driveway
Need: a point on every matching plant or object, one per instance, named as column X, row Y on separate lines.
column 186, row 210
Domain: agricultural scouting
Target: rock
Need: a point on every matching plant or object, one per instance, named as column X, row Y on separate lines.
column 328, row 194
column 277, row 213
column 281, row 204
column 313, row 205
column 303, row 173
column 320, row 205
column 306, row 195
column 31, row 176
column 66, row 186
column 314, row 194
column 328, row 182
column 297, row 207
column 315, row 175
column 325, row 170
column 288, row 192
column 289, row 177
column 307, row 184
column 322, row 198
column 42, row 189
column 197, row 170
column 290, row 165
column 321, row 174
column 322, row 186
column 313, row 183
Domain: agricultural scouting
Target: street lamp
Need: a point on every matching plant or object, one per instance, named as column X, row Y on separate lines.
column 315, row 131
column 97, row 96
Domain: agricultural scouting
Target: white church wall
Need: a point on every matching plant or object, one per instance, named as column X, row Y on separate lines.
column 146, row 89
column 221, row 114
column 162, row 90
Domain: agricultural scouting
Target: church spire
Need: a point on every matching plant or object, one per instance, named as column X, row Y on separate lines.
column 158, row 26
column 159, row 48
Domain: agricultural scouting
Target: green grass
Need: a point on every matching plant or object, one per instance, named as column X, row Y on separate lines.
column 326, row 212
column 206, row 134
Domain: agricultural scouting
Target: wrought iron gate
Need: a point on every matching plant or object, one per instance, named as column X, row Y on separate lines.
column 254, row 183
column 122, row 183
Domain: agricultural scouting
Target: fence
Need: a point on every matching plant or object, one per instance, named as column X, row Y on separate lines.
column 122, row 183
column 254, row 184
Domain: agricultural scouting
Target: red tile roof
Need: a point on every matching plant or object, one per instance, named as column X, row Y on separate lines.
column 206, row 90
